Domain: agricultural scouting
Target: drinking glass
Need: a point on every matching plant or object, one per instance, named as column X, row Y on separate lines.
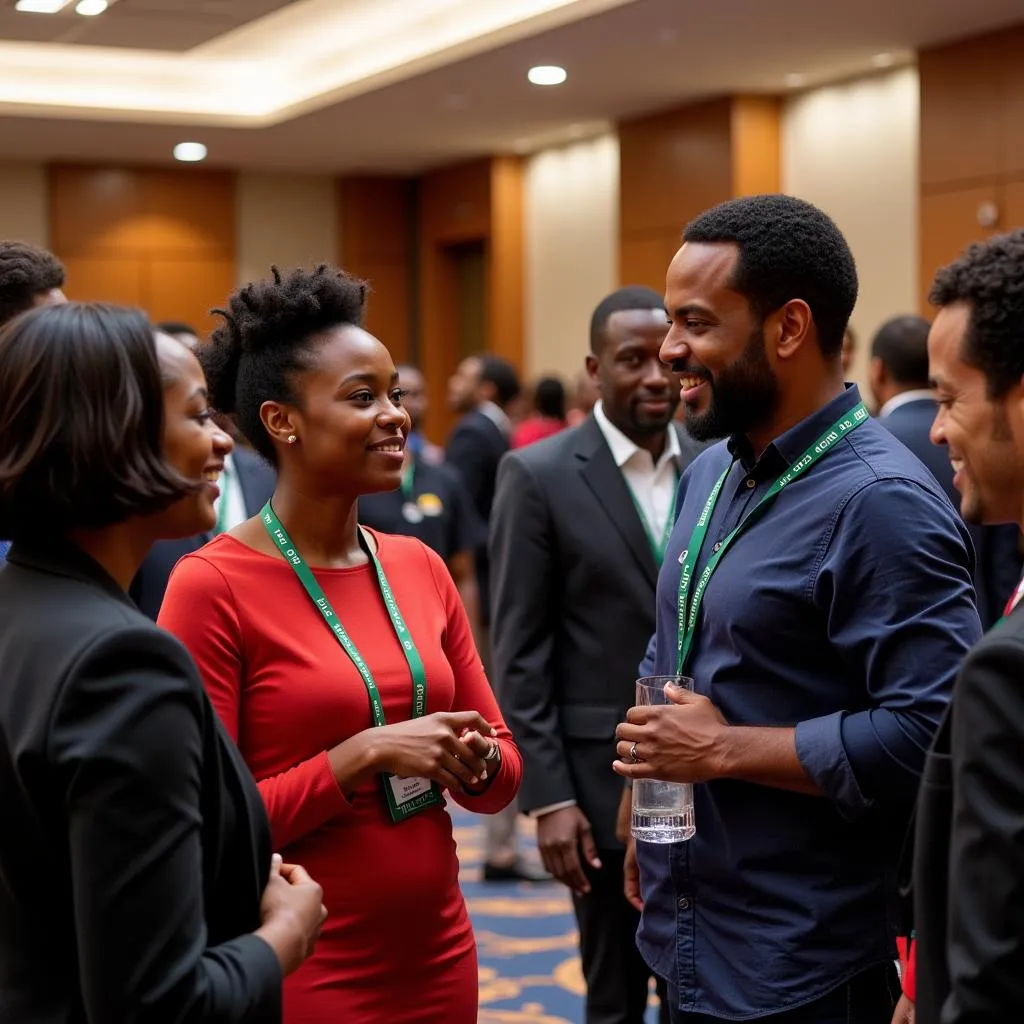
column 662, row 811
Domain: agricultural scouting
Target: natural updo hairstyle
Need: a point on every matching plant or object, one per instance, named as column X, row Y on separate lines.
column 81, row 422
column 270, row 332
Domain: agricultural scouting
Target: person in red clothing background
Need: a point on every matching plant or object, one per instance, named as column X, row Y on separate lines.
column 342, row 662
column 548, row 416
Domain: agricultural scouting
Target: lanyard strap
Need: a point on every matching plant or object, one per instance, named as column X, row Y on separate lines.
column 688, row 609
column 419, row 676
column 657, row 546
column 408, row 476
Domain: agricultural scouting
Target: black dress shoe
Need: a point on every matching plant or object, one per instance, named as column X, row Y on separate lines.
column 516, row 872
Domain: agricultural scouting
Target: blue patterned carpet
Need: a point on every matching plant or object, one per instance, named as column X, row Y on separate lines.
column 526, row 934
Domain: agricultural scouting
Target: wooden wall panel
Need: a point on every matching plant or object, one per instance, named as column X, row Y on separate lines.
column 375, row 241
column 1013, row 204
column 673, row 165
column 960, row 129
column 163, row 240
column 756, row 145
column 1013, row 101
column 676, row 164
column 505, row 295
column 949, row 223
column 479, row 202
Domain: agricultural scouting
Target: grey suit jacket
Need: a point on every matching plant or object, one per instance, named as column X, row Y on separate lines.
column 573, row 594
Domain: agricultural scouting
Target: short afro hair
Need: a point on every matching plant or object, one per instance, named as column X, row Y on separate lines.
column 902, row 345
column 81, row 423
column 788, row 249
column 989, row 278
column 26, row 271
column 502, row 376
column 269, row 332
column 633, row 296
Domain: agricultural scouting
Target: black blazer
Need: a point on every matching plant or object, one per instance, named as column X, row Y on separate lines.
column 134, row 847
column 573, row 589
column 475, row 448
column 968, row 848
column 998, row 563
column 150, row 583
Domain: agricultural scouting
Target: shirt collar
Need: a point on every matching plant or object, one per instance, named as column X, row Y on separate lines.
column 623, row 449
column 497, row 416
column 791, row 444
column 905, row 398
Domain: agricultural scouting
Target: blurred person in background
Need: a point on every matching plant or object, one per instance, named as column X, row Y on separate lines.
column 135, row 853
column 584, row 395
column 30, row 276
column 185, row 333
column 342, row 661
column 431, row 502
column 548, row 416
column 907, row 407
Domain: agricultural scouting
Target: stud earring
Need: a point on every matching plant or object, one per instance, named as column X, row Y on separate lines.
column 292, row 439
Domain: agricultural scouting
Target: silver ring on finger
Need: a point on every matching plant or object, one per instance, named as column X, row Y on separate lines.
column 634, row 757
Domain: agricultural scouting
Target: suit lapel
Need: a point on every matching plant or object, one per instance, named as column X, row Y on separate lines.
column 605, row 480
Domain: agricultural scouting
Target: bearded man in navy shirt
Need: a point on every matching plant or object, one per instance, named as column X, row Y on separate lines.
column 817, row 588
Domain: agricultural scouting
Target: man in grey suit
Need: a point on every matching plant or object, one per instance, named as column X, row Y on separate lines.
column 577, row 533
column 907, row 407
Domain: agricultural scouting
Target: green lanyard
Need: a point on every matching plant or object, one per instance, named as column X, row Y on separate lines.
column 408, row 478
column 657, row 546
column 688, row 610
column 425, row 796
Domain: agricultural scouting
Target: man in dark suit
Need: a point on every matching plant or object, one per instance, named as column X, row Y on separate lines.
column 899, row 381
column 579, row 526
column 969, row 856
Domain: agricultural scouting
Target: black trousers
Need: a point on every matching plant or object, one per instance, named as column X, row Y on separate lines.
column 616, row 975
column 869, row 998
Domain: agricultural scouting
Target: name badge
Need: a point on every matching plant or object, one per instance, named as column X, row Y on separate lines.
column 408, row 796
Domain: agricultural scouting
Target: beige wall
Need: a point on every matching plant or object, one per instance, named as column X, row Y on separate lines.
column 285, row 219
column 24, row 207
column 571, row 206
column 852, row 150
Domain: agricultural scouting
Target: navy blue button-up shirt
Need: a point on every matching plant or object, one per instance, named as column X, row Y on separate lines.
column 845, row 612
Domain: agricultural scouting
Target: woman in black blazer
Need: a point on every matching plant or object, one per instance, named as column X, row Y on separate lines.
column 134, row 848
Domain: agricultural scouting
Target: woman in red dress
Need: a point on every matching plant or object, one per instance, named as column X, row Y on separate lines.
column 342, row 662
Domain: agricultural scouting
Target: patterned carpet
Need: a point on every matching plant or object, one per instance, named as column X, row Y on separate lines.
column 526, row 934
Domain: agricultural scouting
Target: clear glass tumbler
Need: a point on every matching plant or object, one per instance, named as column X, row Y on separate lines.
column 662, row 811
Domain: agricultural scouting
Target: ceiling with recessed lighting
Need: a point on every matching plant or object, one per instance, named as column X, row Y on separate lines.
column 368, row 86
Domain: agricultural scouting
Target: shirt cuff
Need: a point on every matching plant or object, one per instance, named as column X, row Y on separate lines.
column 539, row 812
column 819, row 747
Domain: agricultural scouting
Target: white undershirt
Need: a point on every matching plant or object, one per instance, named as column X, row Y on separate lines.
column 905, row 398
column 232, row 493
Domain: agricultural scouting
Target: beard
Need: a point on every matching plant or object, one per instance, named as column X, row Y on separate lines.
column 744, row 395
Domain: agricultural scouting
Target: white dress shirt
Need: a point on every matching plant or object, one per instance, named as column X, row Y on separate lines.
column 232, row 494
column 654, row 486
column 497, row 416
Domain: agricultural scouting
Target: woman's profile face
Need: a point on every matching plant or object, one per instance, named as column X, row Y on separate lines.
column 350, row 424
column 192, row 442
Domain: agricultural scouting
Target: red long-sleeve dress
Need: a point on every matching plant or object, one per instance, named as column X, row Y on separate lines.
column 397, row 944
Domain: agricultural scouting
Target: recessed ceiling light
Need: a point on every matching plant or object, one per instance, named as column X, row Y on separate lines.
column 90, row 8
column 883, row 60
column 794, row 80
column 41, row 6
column 190, row 152
column 547, row 74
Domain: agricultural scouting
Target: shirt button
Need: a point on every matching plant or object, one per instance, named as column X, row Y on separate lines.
column 716, row 547
column 684, row 903
column 750, row 483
